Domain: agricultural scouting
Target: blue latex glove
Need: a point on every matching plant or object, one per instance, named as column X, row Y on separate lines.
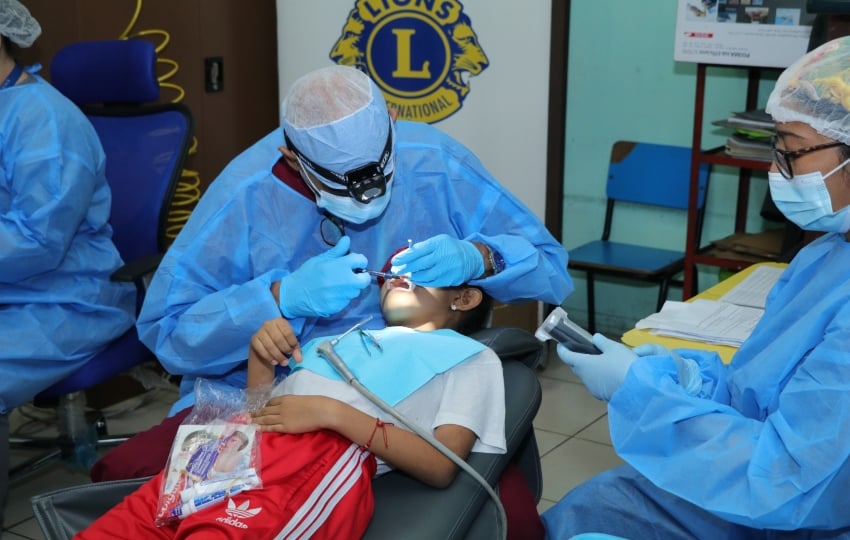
column 602, row 374
column 440, row 261
column 324, row 284
column 688, row 370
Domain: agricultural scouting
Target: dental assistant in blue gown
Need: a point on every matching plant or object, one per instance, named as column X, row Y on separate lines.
column 57, row 305
column 284, row 227
column 759, row 448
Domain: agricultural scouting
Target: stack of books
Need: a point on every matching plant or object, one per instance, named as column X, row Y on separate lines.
column 753, row 136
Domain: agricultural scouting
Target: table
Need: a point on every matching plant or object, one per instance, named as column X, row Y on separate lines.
column 635, row 337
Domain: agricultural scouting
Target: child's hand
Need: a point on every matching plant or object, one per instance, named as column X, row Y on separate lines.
column 275, row 342
column 294, row 414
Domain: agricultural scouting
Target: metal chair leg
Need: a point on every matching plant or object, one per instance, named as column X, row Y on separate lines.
column 591, row 305
column 663, row 289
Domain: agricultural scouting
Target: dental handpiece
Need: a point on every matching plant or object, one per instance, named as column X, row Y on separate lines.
column 376, row 273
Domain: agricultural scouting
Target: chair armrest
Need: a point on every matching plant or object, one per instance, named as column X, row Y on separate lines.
column 136, row 270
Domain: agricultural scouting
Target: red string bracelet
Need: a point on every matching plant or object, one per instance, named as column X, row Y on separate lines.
column 383, row 426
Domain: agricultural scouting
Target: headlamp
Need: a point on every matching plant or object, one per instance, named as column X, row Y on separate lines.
column 363, row 184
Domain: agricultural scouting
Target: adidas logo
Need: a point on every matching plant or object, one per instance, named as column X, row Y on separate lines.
column 235, row 512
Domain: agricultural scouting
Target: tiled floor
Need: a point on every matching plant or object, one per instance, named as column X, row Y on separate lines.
column 571, row 429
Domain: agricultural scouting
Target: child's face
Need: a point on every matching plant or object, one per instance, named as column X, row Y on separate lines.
column 233, row 444
column 406, row 305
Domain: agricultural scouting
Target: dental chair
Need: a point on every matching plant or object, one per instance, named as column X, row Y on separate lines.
column 114, row 83
column 404, row 507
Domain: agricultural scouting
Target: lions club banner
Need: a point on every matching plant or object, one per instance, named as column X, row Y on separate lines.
column 420, row 54
column 478, row 69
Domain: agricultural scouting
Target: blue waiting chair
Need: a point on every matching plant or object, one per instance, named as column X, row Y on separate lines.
column 115, row 84
column 652, row 175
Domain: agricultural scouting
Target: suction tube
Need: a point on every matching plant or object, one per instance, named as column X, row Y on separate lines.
column 326, row 349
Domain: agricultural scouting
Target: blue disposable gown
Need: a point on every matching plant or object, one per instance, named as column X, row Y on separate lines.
column 57, row 305
column 766, row 443
column 211, row 292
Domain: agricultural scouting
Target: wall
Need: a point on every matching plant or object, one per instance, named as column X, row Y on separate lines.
column 503, row 119
column 623, row 84
column 226, row 122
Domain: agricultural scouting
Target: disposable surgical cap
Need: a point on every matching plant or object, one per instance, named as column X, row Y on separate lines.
column 17, row 24
column 337, row 117
column 815, row 90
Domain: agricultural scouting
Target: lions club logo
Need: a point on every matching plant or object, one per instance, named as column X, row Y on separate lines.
column 421, row 53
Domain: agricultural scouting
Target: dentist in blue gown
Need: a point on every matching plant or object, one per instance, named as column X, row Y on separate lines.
column 58, row 307
column 282, row 230
column 759, row 448
column 284, row 227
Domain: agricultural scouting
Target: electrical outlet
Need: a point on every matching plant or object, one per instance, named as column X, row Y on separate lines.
column 214, row 74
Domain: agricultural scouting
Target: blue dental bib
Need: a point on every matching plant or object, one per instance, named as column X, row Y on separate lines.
column 406, row 359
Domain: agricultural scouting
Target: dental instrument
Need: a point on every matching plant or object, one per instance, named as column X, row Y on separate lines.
column 376, row 273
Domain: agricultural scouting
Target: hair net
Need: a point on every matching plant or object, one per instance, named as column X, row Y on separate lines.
column 17, row 24
column 816, row 90
column 337, row 117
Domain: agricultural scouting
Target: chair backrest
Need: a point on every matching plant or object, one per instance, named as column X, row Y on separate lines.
column 656, row 174
column 114, row 83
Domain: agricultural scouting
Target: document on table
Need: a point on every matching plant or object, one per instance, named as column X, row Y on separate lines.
column 707, row 321
column 727, row 321
column 752, row 291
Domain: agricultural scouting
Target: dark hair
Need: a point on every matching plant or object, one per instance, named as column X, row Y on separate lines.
column 477, row 318
column 12, row 49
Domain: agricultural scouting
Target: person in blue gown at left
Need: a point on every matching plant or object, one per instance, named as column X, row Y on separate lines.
column 759, row 448
column 58, row 307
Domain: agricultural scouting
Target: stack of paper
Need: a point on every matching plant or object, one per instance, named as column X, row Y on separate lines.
column 753, row 135
column 727, row 321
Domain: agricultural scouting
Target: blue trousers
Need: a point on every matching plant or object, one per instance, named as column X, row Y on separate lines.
column 622, row 502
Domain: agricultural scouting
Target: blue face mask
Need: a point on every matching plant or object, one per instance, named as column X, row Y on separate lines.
column 351, row 211
column 805, row 201
column 346, row 208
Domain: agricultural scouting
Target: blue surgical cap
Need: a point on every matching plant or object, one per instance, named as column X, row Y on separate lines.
column 337, row 117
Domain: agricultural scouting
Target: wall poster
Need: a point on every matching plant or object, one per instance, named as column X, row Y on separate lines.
column 765, row 33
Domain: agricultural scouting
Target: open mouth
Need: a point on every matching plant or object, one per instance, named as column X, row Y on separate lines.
column 401, row 283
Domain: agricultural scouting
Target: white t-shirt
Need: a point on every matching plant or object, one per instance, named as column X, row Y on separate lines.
column 471, row 394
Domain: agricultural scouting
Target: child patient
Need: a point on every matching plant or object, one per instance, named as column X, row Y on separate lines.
column 322, row 441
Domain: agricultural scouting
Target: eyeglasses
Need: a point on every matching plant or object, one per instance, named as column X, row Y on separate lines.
column 783, row 158
column 332, row 229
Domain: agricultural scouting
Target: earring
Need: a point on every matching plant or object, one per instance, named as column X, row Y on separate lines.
column 454, row 307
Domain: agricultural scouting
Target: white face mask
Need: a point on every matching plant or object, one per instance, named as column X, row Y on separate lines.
column 805, row 201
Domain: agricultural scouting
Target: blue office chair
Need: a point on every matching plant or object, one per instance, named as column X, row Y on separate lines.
column 115, row 84
column 653, row 175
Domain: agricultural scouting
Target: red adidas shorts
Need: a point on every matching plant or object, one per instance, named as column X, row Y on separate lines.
column 315, row 485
